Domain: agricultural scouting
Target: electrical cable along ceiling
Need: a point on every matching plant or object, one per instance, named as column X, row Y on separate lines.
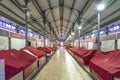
column 61, row 16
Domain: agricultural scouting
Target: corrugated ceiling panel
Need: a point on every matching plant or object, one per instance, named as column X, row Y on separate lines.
column 73, row 17
column 111, row 9
column 58, row 23
column 11, row 14
column 65, row 23
column 21, row 2
column 56, row 13
column 43, row 4
column 49, row 15
column 86, row 28
column 90, row 11
column 111, row 17
column 54, row 2
column 80, row 4
column 13, row 8
column 68, row 2
column 34, row 11
column 66, row 13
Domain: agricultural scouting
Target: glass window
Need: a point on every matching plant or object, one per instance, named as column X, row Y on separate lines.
column 13, row 27
column 4, row 24
column 7, row 25
column 111, row 29
column 0, row 23
column 116, row 27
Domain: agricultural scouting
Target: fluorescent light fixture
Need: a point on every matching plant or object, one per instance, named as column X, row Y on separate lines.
column 70, row 36
column 79, row 27
column 73, row 33
column 28, row 13
column 92, row 35
column 100, row 7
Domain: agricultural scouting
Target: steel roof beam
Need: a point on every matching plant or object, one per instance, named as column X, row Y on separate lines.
column 73, row 4
column 95, row 15
column 14, row 13
column 61, row 12
column 69, row 31
column 41, row 12
column 81, row 12
column 17, row 4
column 63, row 20
column 52, row 16
column 86, row 6
column 18, row 22
column 69, row 7
column 103, row 25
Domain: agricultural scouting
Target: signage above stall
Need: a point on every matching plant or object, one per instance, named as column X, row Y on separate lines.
column 109, row 37
column 89, row 40
column 118, row 36
column 15, row 35
column 31, row 38
column 4, row 33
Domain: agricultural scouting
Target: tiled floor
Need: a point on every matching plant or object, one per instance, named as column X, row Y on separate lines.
column 62, row 67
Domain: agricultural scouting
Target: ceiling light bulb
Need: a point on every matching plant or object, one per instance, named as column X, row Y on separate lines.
column 28, row 13
column 79, row 27
column 73, row 33
column 100, row 7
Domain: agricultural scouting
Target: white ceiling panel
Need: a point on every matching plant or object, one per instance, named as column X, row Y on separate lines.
column 66, row 13
column 68, row 2
column 56, row 13
column 37, row 26
column 90, row 11
column 36, row 18
column 65, row 23
column 58, row 23
column 80, row 4
column 34, row 11
column 49, row 17
column 43, row 4
column 111, row 17
column 111, row 9
column 11, row 14
column 13, row 8
column 73, row 17
column 54, row 3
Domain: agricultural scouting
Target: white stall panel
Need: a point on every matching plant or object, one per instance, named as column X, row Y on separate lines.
column 85, row 45
column 42, row 44
column 33, row 43
column 2, row 69
column 38, row 44
column 95, row 46
column 51, row 44
column 90, row 45
column 81, row 45
column 108, row 45
column 4, row 43
column 118, row 44
column 17, row 43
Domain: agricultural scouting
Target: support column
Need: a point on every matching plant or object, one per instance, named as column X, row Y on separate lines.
column 44, row 22
column 107, row 30
column 17, row 31
column 26, row 24
column 79, row 39
column 98, row 32
column 50, row 35
column 73, row 42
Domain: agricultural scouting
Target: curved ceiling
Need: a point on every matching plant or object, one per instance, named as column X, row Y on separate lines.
column 61, row 16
